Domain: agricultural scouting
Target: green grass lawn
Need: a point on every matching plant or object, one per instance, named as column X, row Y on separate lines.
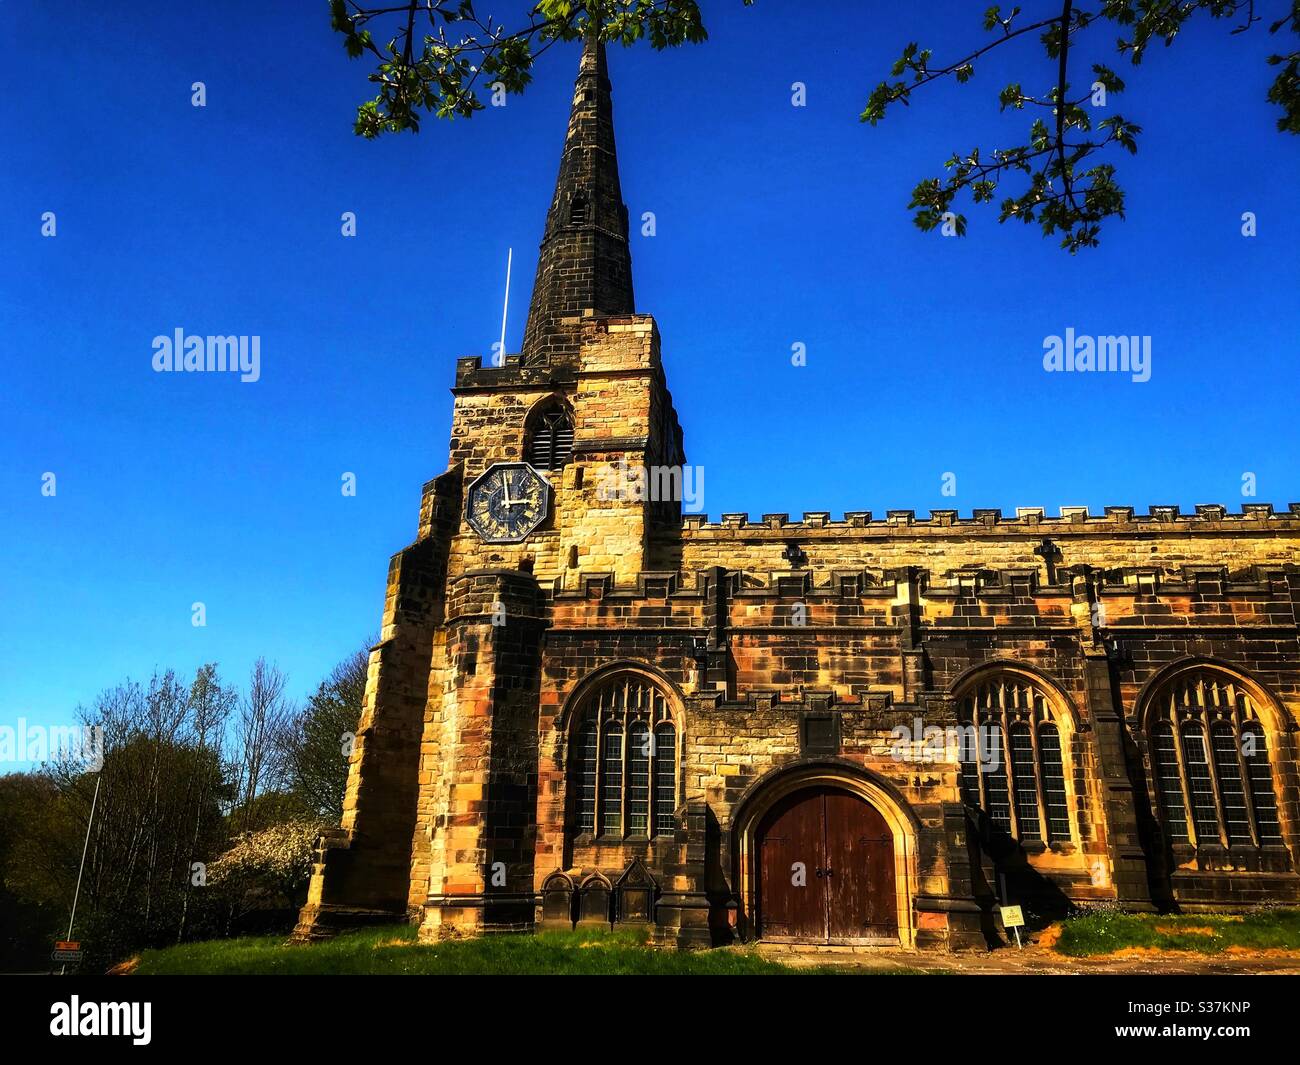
column 395, row 951
column 1103, row 933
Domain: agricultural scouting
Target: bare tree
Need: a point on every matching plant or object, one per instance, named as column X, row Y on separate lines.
column 210, row 706
column 264, row 717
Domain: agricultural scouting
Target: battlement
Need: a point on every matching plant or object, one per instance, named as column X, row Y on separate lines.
column 623, row 343
column 966, row 582
column 471, row 374
column 1072, row 520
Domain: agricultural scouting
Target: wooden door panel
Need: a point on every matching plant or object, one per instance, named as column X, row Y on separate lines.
column 849, row 843
column 860, row 856
column 793, row 833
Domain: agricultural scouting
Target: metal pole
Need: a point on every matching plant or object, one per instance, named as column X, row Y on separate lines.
column 509, row 256
column 84, row 848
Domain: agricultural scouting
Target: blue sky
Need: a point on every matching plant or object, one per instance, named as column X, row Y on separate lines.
column 775, row 225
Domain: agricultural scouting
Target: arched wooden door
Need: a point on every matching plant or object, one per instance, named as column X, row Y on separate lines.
column 826, row 869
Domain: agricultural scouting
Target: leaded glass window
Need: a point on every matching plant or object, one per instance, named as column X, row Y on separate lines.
column 1254, row 749
column 1054, row 793
column 585, row 760
column 665, row 778
column 611, row 790
column 1171, row 783
column 627, row 782
column 1219, row 768
column 1013, row 766
column 638, row 779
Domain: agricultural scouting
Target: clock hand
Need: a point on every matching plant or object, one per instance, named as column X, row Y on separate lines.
column 505, row 487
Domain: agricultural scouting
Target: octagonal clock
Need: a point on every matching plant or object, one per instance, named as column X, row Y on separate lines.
column 507, row 502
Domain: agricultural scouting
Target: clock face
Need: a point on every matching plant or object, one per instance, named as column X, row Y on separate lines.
column 507, row 502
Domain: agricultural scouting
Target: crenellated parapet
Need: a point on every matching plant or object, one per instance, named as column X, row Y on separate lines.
column 970, row 582
column 622, row 343
column 1208, row 517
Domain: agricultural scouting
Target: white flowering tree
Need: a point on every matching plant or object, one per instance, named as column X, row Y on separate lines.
column 267, row 869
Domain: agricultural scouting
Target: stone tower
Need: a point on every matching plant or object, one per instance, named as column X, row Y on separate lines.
column 441, row 801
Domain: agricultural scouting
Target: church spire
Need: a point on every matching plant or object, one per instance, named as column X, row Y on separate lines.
column 585, row 266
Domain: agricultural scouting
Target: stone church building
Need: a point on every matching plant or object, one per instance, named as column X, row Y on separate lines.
column 588, row 707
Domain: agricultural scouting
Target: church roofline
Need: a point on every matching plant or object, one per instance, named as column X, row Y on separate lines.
column 1072, row 519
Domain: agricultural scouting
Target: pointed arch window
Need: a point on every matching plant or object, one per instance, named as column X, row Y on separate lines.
column 550, row 441
column 625, row 782
column 1013, row 767
column 1211, row 763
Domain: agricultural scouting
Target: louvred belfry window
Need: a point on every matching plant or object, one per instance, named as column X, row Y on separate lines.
column 1209, row 754
column 550, row 444
column 624, row 777
column 1012, row 764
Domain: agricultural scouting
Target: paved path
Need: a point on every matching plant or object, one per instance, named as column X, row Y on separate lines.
column 1040, row 961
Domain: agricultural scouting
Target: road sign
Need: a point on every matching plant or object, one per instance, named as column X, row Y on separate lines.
column 67, row 955
column 67, row 944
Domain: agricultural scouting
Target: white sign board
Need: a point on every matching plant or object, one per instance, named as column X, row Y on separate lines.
column 1012, row 917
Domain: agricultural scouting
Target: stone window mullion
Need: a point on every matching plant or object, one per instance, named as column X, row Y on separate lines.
column 1193, row 831
column 630, row 742
column 1012, row 813
column 1194, row 726
column 599, row 804
column 1039, row 782
column 651, row 779
column 1208, row 705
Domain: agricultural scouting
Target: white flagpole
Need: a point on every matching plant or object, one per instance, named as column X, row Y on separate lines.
column 84, row 847
column 506, row 307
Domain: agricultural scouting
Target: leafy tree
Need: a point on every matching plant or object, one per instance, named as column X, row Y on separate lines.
column 319, row 746
column 138, row 885
column 185, row 766
column 439, row 53
column 1067, row 187
column 158, row 813
column 144, row 839
column 273, row 807
column 30, row 920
